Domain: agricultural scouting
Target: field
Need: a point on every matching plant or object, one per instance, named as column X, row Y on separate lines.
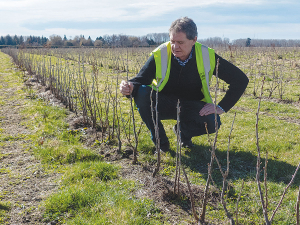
column 93, row 145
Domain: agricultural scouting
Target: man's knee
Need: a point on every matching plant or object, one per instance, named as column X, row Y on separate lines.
column 143, row 95
column 211, row 124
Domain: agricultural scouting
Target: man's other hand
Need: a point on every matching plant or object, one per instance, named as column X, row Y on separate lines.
column 126, row 88
column 209, row 108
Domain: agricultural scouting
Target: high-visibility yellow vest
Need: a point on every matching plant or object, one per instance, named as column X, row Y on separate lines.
column 205, row 58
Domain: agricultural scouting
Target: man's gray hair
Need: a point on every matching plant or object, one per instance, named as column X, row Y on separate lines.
column 185, row 25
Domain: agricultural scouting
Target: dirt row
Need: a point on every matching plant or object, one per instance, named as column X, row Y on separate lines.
column 23, row 182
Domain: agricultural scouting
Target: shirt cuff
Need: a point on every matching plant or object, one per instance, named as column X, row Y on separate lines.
column 221, row 108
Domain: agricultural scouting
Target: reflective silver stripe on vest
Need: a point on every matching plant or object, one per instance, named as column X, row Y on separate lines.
column 164, row 62
column 206, row 63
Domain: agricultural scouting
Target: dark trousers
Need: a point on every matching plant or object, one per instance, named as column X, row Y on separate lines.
column 191, row 123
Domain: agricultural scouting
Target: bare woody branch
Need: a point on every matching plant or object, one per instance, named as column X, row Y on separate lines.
column 265, row 213
column 191, row 195
column 155, row 122
column 297, row 208
column 265, row 180
column 133, row 121
column 205, row 197
column 284, row 192
column 178, row 165
column 225, row 175
column 209, row 178
column 178, row 151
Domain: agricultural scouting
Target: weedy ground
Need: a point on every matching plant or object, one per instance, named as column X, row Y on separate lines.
column 92, row 182
column 24, row 182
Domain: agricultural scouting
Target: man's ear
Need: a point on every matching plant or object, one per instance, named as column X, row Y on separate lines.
column 195, row 39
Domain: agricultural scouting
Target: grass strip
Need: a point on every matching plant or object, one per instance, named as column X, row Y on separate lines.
column 91, row 191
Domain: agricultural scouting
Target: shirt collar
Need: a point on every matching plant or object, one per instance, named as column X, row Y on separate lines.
column 183, row 63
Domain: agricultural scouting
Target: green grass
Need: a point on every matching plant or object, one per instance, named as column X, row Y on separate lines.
column 91, row 190
column 94, row 202
column 5, row 207
column 98, row 170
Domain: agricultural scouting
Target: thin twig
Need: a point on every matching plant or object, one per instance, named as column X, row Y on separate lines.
column 177, row 173
column 191, row 195
column 156, row 131
column 297, row 208
column 229, row 138
column 225, row 175
column 202, row 216
column 133, row 122
column 205, row 197
column 284, row 192
column 118, row 119
column 265, row 180
column 258, row 161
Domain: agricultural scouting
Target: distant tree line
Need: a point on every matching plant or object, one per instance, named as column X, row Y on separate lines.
column 78, row 41
column 214, row 42
column 114, row 40
column 23, row 41
column 266, row 42
column 122, row 40
column 248, row 42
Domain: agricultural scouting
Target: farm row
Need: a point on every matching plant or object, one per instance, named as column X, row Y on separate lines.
column 86, row 81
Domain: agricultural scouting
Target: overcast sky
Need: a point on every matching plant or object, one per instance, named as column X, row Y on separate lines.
column 233, row 19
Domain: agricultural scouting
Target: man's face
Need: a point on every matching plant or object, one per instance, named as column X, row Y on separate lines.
column 181, row 46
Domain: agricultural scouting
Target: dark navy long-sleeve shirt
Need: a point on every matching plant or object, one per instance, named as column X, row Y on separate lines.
column 185, row 83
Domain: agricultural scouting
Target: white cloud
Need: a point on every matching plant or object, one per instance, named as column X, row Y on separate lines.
column 116, row 10
column 18, row 14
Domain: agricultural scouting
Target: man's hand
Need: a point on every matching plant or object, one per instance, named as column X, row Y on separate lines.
column 209, row 108
column 126, row 88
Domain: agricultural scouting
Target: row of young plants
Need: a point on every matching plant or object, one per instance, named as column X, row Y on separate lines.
column 88, row 90
column 86, row 80
column 91, row 191
column 110, row 117
column 280, row 65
